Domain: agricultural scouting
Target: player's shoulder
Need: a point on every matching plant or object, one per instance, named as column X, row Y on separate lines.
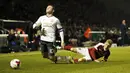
column 55, row 18
column 43, row 16
column 101, row 43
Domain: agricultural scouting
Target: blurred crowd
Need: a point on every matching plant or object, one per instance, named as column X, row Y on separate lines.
column 75, row 16
column 17, row 40
column 88, row 11
column 74, row 35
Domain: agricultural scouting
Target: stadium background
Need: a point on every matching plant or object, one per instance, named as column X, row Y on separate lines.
column 90, row 11
column 101, row 15
column 75, row 16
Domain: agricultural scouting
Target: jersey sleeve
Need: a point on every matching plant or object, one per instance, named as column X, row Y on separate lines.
column 58, row 25
column 37, row 23
column 106, row 55
column 99, row 44
column 60, row 29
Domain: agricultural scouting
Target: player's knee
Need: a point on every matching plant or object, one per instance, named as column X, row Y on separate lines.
column 52, row 58
column 51, row 54
column 55, row 50
column 45, row 55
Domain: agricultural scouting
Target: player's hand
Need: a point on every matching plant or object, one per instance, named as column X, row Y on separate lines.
column 43, row 32
column 97, row 61
column 36, row 28
column 62, row 45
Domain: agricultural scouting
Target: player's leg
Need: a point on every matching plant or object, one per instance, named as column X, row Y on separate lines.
column 44, row 49
column 51, row 51
column 81, row 60
column 69, row 59
column 106, row 55
column 64, row 59
column 80, row 50
column 86, row 57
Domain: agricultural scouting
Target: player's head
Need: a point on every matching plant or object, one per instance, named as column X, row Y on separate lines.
column 12, row 31
column 108, row 44
column 109, row 41
column 50, row 9
column 123, row 21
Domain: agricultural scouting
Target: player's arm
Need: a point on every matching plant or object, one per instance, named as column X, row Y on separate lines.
column 61, row 32
column 37, row 23
column 106, row 55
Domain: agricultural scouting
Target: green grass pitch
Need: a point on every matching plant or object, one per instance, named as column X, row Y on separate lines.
column 32, row 62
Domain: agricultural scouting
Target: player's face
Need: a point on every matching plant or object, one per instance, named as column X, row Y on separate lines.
column 123, row 21
column 12, row 31
column 107, row 46
column 49, row 9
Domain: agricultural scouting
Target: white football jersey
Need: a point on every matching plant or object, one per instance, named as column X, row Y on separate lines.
column 99, row 45
column 49, row 24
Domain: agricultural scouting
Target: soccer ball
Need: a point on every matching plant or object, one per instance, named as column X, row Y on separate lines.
column 15, row 63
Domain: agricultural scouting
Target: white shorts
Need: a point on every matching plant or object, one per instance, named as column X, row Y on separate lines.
column 84, row 51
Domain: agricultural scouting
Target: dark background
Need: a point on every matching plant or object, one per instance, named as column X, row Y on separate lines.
column 106, row 12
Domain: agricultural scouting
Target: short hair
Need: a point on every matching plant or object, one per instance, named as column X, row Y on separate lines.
column 109, row 41
column 52, row 6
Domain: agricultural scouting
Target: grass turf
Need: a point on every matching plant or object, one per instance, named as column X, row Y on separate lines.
column 32, row 62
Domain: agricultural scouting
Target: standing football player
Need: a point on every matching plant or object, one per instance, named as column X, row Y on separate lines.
column 94, row 53
column 49, row 24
